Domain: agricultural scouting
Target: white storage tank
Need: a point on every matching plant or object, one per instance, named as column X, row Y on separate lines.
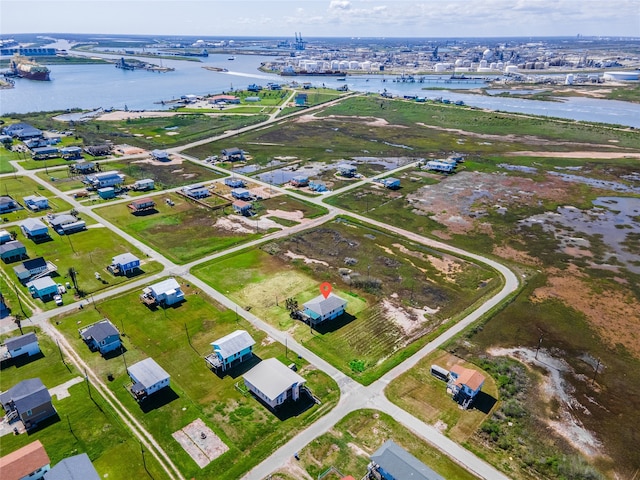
column 353, row 65
column 440, row 67
column 569, row 80
column 510, row 69
column 621, row 76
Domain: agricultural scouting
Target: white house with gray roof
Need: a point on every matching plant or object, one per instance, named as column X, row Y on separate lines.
column 148, row 377
column 78, row 467
column 273, row 383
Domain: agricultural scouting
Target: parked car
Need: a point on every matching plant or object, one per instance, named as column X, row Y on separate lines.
column 57, row 299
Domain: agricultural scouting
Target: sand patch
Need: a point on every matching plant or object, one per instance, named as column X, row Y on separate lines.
column 171, row 134
column 446, row 265
column 296, row 215
column 577, row 154
column 368, row 121
column 199, row 441
column 128, row 150
column 62, row 391
column 122, row 115
column 409, row 319
column 226, row 223
column 306, row 260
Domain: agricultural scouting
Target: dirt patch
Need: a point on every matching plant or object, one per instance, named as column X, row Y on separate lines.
column 602, row 155
column 296, row 215
column 357, row 450
column 446, row 265
column 226, row 223
column 555, row 387
column 306, row 260
column 173, row 160
column 128, row 150
column 510, row 253
column 293, row 469
column 62, row 391
column 199, row 441
column 407, row 318
column 368, row 121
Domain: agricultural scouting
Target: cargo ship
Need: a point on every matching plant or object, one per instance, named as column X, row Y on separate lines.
column 290, row 72
column 24, row 68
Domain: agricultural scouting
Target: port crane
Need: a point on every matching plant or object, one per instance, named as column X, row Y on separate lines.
column 299, row 44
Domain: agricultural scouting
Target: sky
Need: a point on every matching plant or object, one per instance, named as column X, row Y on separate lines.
column 324, row 18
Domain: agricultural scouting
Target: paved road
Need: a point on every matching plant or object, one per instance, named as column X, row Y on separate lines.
column 353, row 395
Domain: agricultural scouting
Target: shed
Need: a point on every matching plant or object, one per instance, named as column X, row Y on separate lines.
column 232, row 154
column 392, row 462
column 36, row 202
column 8, row 204
column 124, row 263
column 167, row 292
column 160, row 155
column 43, row 288
column 144, row 184
column 148, row 377
column 320, row 309
column 26, row 344
column 101, row 336
column 142, row 205
column 231, row 350
column 29, row 401
column 301, row 99
column 196, row 191
column 241, row 194
column 29, row 462
column 300, row 181
column 273, row 383
column 34, row 229
column 242, row 207
column 106, row 193
column 77, row 467
column 12, row 251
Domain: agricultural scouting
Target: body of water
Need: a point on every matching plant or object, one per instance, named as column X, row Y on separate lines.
column 94, row 86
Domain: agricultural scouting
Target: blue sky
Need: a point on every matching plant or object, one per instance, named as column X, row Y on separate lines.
column 344, row 18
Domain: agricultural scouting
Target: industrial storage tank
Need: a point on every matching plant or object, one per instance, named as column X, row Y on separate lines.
column 440, row 67
column 511, row 69
column 569, row 80
column 458, row 62
column 621, row 76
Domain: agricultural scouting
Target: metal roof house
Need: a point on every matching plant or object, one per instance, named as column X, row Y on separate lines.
column 101, row 336
column 43, row 288
column 106, row 193
column 29, row 401
column 196, row 191
column 232, row 154
column 234, row 182
column 440, row 166
column 231, row 350
column 12, row 251
column 124, row 264
column 148, row 377
column 26, row 344
column 144, row 184
column 8, row 204
column 30, row 268
column 4, row 237
column 167, row 292
column 300, row 181
column 392, row 462
column 29, row 462
column 21, row 128
column 66, row 223
column 347, row 170
column 83, row 167
column 71, row 153
column 36, row 202
column 34, row 229
column 40, row 153
column 320, row 309
column 391, row 183
column 78, row 467
column 273, row 383
column 105, row 179
column 241, row 194
column 160, row 155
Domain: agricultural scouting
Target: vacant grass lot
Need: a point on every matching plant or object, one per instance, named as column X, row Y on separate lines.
column 84, row 424
column 177, row 338
column 348, row 445
column 20, row 187
column 87, row 252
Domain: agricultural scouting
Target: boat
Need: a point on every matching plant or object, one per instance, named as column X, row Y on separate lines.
column 25, row 68
column 231, row 58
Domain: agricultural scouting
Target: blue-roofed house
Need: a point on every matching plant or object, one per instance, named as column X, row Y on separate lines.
column 347, row 170
column 101, row 336
column 5, row 237
column 391, row 183
column 29, row 401
column 8, row 204
column 22, row 130
column 77, row 467
column 241, row 194
column 320, row 309
column 167, row 292
column 43, row 288
column 231, row 350
column 36, row 202
column 106, row 193
column 300, row 181
column 105, row 179
column 148, row 377
column 160, row 155
column 34, row 229
column 124, row 264
column 392, row 462
column 41, row 153
column 317, row 186
column 31, row 268
column 12, row 251
column 300, row 99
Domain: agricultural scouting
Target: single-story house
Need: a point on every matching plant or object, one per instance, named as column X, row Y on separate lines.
column 231, row 350
column 241, row 194
column 45, row 152
column 105, row 179
column 12, row 251
column 148, row 377
column 232, row 154
column 273, row 383
column 234, row 182
column 106, row 193
column 30, row 268
column 29, row 462
column 440, row 166
column 8, row 204
column 34, row 229
column 36, row 202
column 391, row 183
column 124, row 263
column 5, row 237
column 241, row 207
column 347, row 170
column 83, row 167
column 392, row 462
column 141, row 205
column 26, row 344
column 98, row 150
column 300, row 181
column 320, row 309
column 218, row 99
column 71, row 153
column 78, row 467
column 160, row 155
column 43, row 288
column 167, row 292
column 196, row 191
column 301, row 99
column 144, row 184
column 29, row 401
column 465, row 383
column 101, row 336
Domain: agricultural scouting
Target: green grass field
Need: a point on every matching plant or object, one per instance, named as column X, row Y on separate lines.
column 20, row 187
column 177, row 338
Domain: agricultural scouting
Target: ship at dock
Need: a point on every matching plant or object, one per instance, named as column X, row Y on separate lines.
column 25, row 68
column 291, row 72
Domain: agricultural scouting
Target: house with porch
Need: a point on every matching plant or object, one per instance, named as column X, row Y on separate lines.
column 34, row 229
column 300, row 181
column 124, row 264
column 242, row 208
column 231, row 350
column 241, row 194
column 392, row 462
column 77, row 467
column 111, row 178
column 28, row 401
column 234, row 182
column 465, row 384
column 101, row 336
column 98, row 150
column 346, row 170
column 5, row 237
column 30, row 268
column 42, row 153
column 272, row 382
column 36, row 202
column 29, row 462
column 71, row 153
column 8, row 204
column 83, row 167
column 66, row 223
column 196, row 191
column 320, row 309
column 43, row 288
column 167, row 293
column 26, row 344
column 144, row 184
column 22, row 130
column 142, row 205
column 148, row 378
column 233, row 154
column 12, row 251
column 160, row 155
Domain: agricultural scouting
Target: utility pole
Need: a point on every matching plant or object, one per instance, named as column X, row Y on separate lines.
column 539, row 343
column 595, row 372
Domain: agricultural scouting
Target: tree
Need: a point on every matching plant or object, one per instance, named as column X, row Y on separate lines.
column 291, row 304
column 17, row 318
column 74, row 279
